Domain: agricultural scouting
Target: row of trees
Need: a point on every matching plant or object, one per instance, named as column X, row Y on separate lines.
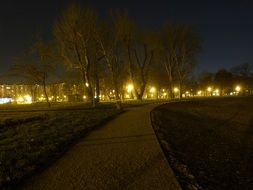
column 115, row 50
column 226, row 80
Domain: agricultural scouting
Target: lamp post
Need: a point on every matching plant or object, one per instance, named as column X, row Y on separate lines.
column 238, row 89
column 209, row 90
column 152, row 91
column 130, row 88
column 176, row 90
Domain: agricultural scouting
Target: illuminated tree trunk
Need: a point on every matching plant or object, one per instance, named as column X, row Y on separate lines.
column 142, row 67
column 97, row 90
column 110, row 56
column 168, row 63
column 45, row 90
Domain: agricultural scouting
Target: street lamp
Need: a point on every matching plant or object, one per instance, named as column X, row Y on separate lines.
column 209, row 90
column 130, row 87
column 152, row 90
column 199, row 92
column 176, row 89
column 217, row 92
column 238, row 88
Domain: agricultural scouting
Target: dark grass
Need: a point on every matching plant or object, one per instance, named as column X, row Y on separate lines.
column 33, row 136
column 211, row 139
column 29, row 140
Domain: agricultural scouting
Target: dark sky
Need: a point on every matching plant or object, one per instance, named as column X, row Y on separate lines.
column 226, row 27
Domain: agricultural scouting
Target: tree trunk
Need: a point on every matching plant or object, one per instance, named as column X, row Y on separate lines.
column 169, row 73
column 180, row 90
column 119, row 105
column 97, row 90
column 117, row 97
column 32, row 92
column 45, row 92
column 138, row 96
column 171, row 94
column 87, row 88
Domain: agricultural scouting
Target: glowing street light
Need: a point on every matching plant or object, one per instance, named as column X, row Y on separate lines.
column 28, row 99
column 238, row 88
column 152, row 90
column 20, row 99
column 5, row 100
column 216, row 92
column 24, row 100
column 176, row 89
column 130, row 87
column 209, row 89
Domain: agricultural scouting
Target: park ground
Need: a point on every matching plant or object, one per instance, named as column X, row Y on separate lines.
column 34, row 136
column 208, row 142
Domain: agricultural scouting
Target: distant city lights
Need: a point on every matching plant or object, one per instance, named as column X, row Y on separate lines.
column 22, row 94
column 24, row 99
column 199, row 92
column 5, row 100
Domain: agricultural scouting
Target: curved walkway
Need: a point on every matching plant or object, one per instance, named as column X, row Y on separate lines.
column 123, row 154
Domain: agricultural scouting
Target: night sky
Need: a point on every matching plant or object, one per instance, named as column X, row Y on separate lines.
column 226, row 27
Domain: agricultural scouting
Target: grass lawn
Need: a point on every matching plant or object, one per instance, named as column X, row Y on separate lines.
column 208, row 142
column 32, row 135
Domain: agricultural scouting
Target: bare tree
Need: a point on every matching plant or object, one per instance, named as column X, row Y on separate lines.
column 47, row 61
column 166, row 56
column 206, row 79
column 224, row 80
column 75, row 35
column 184, row 48
column 36, row 66
column 125, row 28
column 140, row 53
column 243, row 69
column 111, row 49
column 143, row 55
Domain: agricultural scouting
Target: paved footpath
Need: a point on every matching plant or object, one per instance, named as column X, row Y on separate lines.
column 123, row 154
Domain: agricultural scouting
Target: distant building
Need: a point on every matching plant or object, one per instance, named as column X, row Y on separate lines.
column 57, row 92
